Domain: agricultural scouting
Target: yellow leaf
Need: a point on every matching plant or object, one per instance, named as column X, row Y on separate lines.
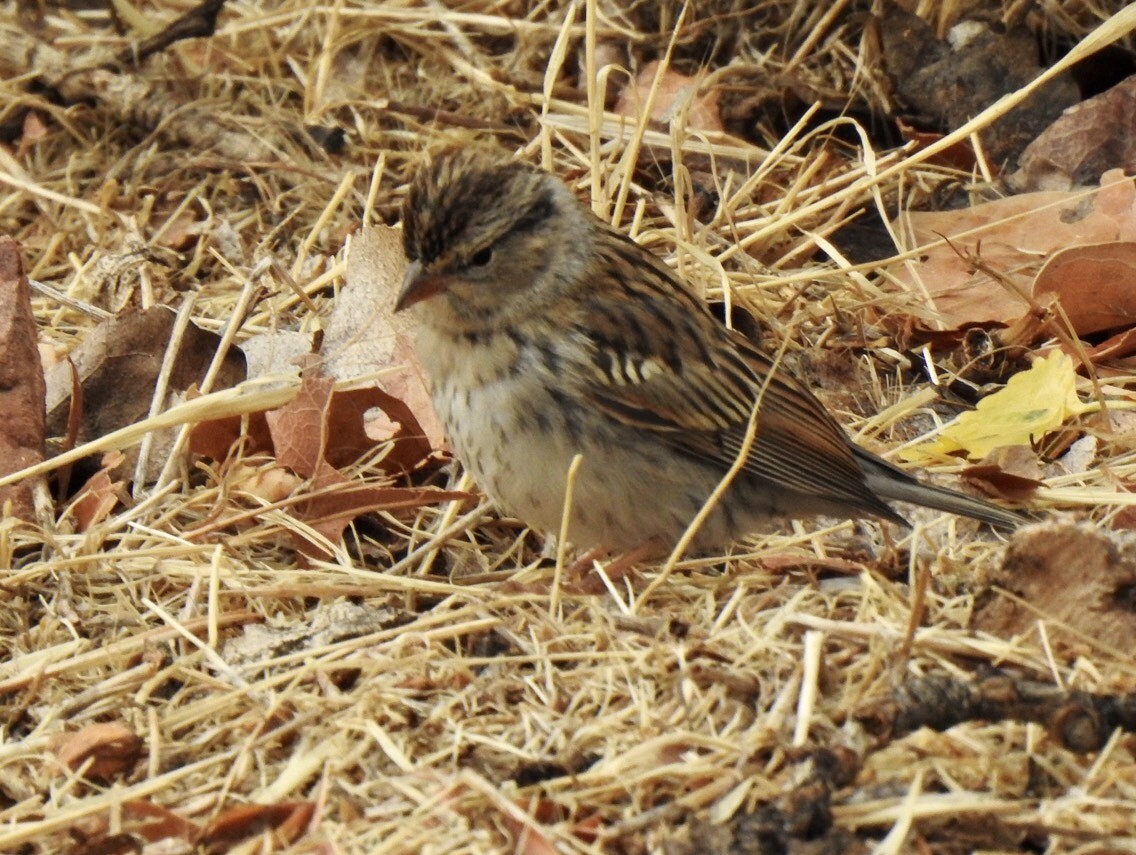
column 1034, row 402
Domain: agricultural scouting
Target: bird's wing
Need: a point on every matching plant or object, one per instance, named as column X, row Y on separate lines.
column 659, row 362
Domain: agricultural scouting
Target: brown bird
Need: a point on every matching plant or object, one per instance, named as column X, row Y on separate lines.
column 547, row 334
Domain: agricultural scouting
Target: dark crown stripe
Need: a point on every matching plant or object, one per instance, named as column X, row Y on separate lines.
column 541, row 210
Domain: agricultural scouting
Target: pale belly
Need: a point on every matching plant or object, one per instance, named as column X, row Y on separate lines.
column 511, row 425
column 628, row 491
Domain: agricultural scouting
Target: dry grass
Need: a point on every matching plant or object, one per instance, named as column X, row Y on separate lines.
column 430, row 688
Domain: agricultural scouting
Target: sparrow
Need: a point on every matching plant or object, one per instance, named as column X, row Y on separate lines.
column 547, row 334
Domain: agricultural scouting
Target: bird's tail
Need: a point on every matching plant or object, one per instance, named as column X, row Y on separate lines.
column 893, row 484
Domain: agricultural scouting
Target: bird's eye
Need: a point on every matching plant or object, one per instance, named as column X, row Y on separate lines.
column 482, row 257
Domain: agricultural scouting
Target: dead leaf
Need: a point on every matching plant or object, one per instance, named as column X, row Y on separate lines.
column 275, row 352
column 336, row 501
column 365, row 342
column 1095, row 283
column 322, row 430
column 299, row 428
column 302, row 436
column 21, row 382
column 958, row 156
column 118, row 365
column 266, row 354
column 348, row 422
column 133, row 820
column 1113, row 348
column 1014, row 237
column 100, row 495
column 287, row 821
column 34, row 130
column 1074, row 575
column 995, row 481
column 1021, row 461
column 112, row 748
column 675, row 93
column 1086, row 141
column 153, row 822
column 215, row 438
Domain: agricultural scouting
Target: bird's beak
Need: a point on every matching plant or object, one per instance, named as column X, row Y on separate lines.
column 417, row 285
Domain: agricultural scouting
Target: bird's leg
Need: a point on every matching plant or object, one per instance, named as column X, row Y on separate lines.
column 584, row 563
column 592, row 582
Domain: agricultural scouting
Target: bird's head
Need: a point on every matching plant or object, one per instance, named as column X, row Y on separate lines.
column 487, row 239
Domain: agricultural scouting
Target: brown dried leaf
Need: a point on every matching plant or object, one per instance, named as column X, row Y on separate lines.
column 674, row 93
column 958, row 156
column 34, row 130
column 153, row 822
column 1013, row 236
column 112, row 748
column 1096, row 284
column 118, row 365
column 301, row 430
column 996, row 481
column 1089, row 139
column 364, row 340
column 279, row 352
column 1021, row 461
column 214, row 438
column 348, row 422
column 99, row 496
column 336, row 501
column 287, row 821
column 21, row 382
column 1113, row 348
